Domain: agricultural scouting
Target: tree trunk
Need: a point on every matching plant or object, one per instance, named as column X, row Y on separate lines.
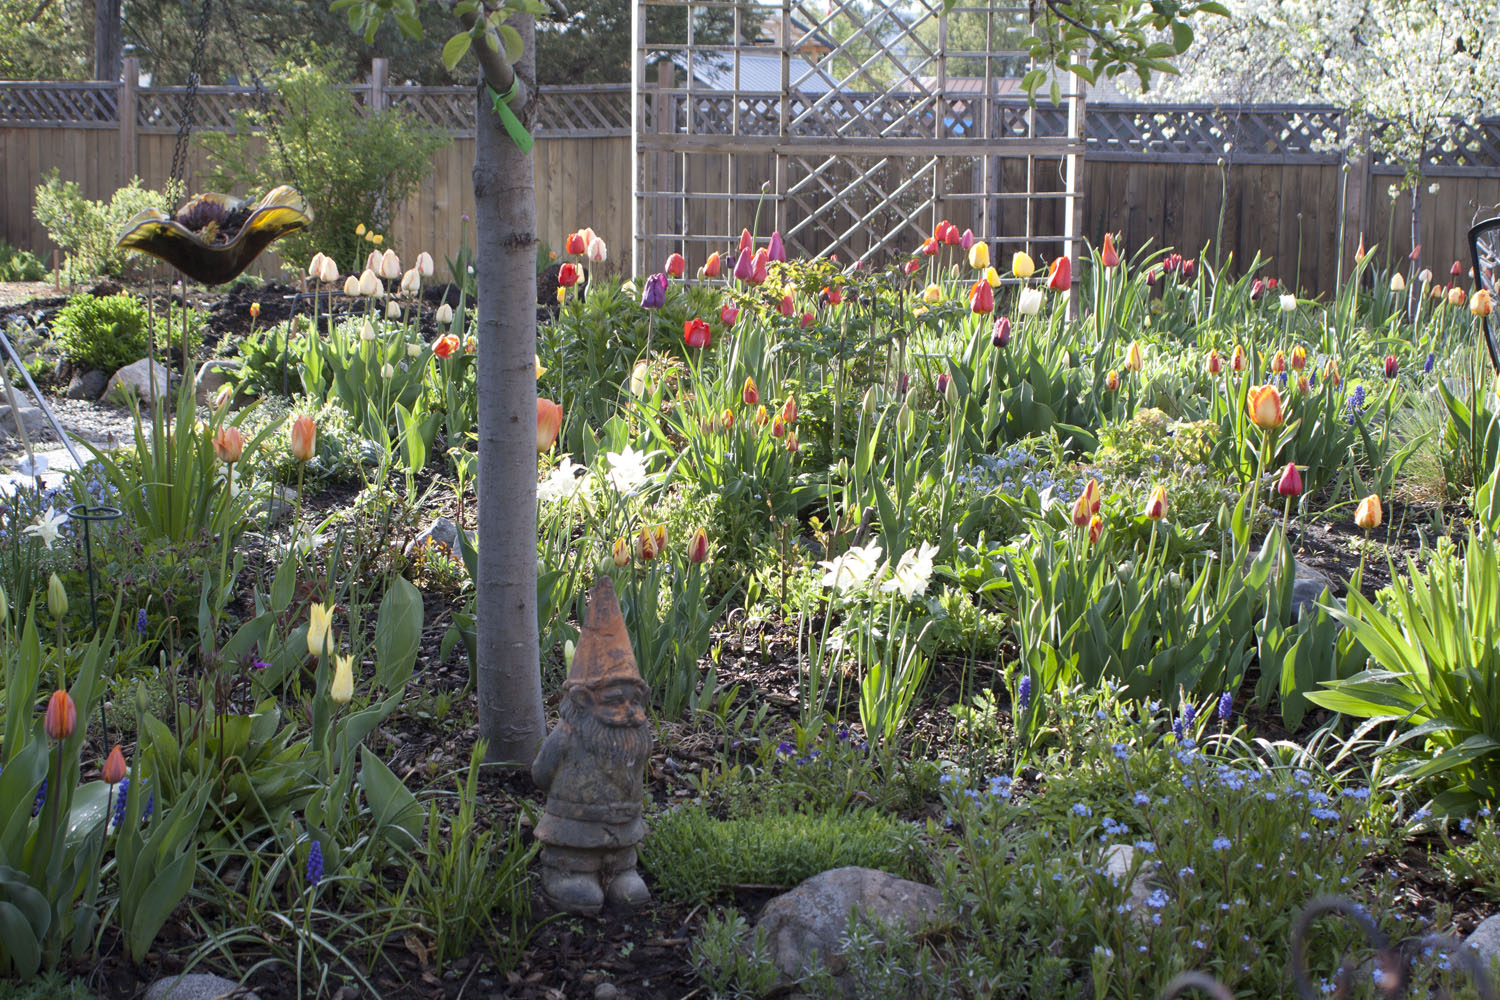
column 107, row 42
column 509, row 675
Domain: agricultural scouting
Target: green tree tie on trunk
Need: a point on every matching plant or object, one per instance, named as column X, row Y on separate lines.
column 512, row 124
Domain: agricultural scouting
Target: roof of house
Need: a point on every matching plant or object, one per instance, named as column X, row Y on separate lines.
column 759, row 71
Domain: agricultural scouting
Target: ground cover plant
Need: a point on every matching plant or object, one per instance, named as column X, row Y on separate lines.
column 925, row 571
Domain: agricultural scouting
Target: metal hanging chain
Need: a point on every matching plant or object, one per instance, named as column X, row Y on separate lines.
column 263, row 99
column 190, row 102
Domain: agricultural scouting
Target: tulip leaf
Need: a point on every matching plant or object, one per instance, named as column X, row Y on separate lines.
column 398, row 633
column 397, row 814
column 455, row 49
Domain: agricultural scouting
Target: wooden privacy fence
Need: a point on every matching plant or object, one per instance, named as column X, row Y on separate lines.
column 1171, row 174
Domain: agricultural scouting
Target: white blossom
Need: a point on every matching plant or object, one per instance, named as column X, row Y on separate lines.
column 627, row 469
column 912, row 573
column 853, row 569
column 47, row 526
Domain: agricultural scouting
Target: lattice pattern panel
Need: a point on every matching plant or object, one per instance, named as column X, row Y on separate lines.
column 447, row 108
column 597, row 110
column 1466, row 147
column 1202, row 134
column 73, row 105
column 859, row 207
column 215, row 109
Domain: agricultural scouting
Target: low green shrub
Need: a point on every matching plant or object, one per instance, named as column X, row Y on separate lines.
column 20, row 265
column 86, row 230
column 731, row 959
column 103, row 332
column 695, row 857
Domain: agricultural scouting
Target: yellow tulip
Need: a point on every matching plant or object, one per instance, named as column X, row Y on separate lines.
column 979, row 256
column 1369, row 515
column 319, row 633
column 342, row 688
column 992, row 276
column 1021, row 265
column 1134, row 362
column 932, row 295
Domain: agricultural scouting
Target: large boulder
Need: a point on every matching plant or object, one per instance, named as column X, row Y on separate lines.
column 31, row 417
column 1485, row 941
column 138, row 377
column 805, row 926
column 87, row 385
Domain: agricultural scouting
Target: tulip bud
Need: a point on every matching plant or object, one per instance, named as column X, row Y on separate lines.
column 1391, row 366
column 943, row 382
column 966, row 239
column 750, row 395
column 114, row 769
column 697, row 548
column 62, row 716
column 387, row 370
column 1456, row 270
column 1481, row 304
column 570, row 650
column 1289, row 303
column 1108, row 255
column 1096, row 528
column 1156, row 504
column 341, row 689
column 789, row 410
column 1456, row 296
column 911, row 267
column 645, row 545
column 369, row 283
column 1398, row 283
column 1278, row 363
column 714, row 266
column 1290, row 484
column 390, row 265
column 548, row 423
column 676, row 265
column 424, row 264
column 444, row 314
column 315, row 266
column 775, row 250
column 638, row 378
column 1112, row 381
column 868, row 405
column 1214, row 364
column 1359, row 252
column 57, row 598
column 726, row 420
column 392, row 311
column 620, row 552
column 1133, row 359
column 598, row 252
column 1237, row 361
column 229, row 444
column 1299, row 358
column 304, row 438
column 791, row 442
column 1000, row 333
column 1021, row 265
column 1263, row 404
column 329, row 272
column 1425, row 276
column 351, row 286
column 1368, row 514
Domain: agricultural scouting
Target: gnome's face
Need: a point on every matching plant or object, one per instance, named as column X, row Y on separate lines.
column 620, row 704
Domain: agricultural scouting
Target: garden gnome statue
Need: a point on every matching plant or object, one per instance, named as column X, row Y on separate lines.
column 592, row 766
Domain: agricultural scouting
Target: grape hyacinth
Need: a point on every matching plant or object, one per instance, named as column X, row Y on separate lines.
column 1427, row 365
column 1023, row 693
column 1226, row 706
column 120, row 802
column 1356, row 403
column 140, row 621
column 41, row 798
column 315, row 863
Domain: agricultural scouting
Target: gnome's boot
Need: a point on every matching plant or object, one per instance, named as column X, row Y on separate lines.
column 626, row 889
column 572, row 892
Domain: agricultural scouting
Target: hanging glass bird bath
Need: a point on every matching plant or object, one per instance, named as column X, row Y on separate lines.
column 214, row 237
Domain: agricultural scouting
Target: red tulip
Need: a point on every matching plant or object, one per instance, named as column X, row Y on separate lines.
column 575, row 244
column 981, row 298
column 760, row 264
column 696, row 333
column 747, row 242
column 676, row 265
column 714, row 266
column 930, row 246
column 789, row 410
column 1000, row 334
column 1290, row 484
column 778, row 427
column 697, row 550
column 1060, row 275
column 548, row 423
column 788, row 306
column 1257, row 289
column 807, row 319
column 776, row 251
column 744, row 266
column 911, row 267
column 951, row 235
column 834, row 294
column 1215, row 364
column 750, row 394
column 1156, row 503
column 568, row 274
column 1096, row 528
column 1456, row 269
column 1391, row 365
column 728, row 314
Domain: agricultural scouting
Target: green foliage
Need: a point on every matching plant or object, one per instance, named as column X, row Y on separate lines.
column 730, row 958
column 20, row 265
column 355, row 168
column 86, row 230
column 1433, row 638
column 694, row 857
column 104, row 332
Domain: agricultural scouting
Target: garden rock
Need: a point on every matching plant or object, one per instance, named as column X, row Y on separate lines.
column 198, row 986
column 1118, row 859
column 277, row 507
column 213, row 375
column 1485, row 940
column 137, row 378
column 1307, row 587
column 31, row 419
column 87, row 385
column 440, row 532
column 805, row 926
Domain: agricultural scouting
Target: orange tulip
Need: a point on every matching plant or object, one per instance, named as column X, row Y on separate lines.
column 569, row 274
column 1481, row 304
column 1264, row 407
column 1368, row 514
column 1108, row 257
column 981, row 297
column 446, row 346
column 1156, row 504
column 1060, row 274
column 714, row 266
column 576, row 244
column 229, row 445
column 114, row 768
column 1359, row 251
column 548, row 423
column 304, row 438
column 61, row 716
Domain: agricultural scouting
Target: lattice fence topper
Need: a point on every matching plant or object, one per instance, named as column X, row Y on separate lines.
column 1197, row 133
column 74, row 105
column 851, row 126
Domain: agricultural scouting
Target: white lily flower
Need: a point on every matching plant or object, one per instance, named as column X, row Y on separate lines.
column 913, row 573
column 47, row 527
column 853, row 569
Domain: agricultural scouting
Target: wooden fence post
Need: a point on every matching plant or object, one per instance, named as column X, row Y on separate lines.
column 661, row 203
column 125, row 114
column 379, row 72
column 1356, row 205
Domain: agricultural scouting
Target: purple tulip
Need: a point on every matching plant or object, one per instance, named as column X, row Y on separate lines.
column 655, row 294
column 744, row 266
column 1000, row 336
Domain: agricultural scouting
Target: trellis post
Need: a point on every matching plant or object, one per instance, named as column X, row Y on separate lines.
column 379, row 77
column 1073, row 200
column 125, row 110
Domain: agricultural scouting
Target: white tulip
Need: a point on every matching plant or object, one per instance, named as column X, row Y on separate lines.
column 413, row 350
column 372, row 261
column 424, row 264
column 445, row 314
column 597, row 251
column 367, row 332
column 315, row 266
column 390, row 265
column 369, row 283
column 1288, row 303
column 351, row 286
column 1031, row 302
column 387, row 370
column 329, row 272
column 411, row 282
column 393, row 311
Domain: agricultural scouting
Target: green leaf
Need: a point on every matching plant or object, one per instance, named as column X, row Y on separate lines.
column 397, row 814
column 398, row 634
column 22, row 940
column 455, row 49
column 156, row 904
column 514, row 46
column 1182, row 36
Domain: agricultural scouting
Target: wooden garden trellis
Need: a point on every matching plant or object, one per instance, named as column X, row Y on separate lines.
column 851, row 126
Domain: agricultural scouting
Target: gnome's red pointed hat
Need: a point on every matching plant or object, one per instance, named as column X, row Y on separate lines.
column 604, row 655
